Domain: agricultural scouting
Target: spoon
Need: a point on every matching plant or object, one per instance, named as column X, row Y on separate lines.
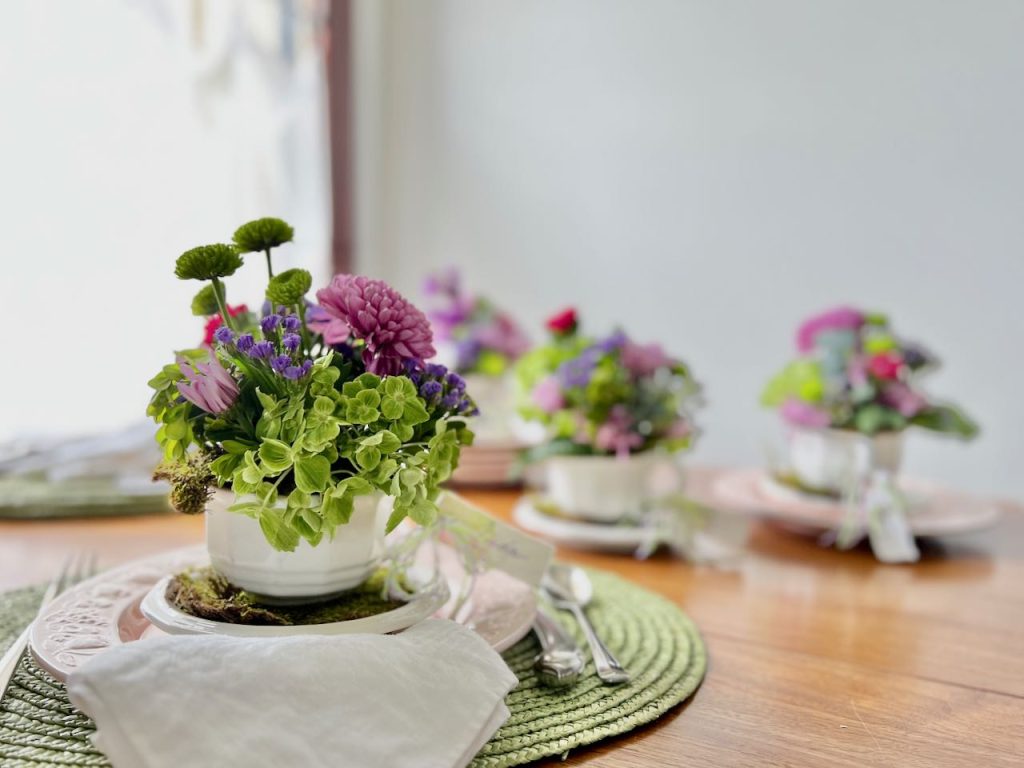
column 570, row 589
column 560, row 662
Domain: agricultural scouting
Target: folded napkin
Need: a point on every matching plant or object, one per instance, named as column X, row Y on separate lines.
column 430, row 697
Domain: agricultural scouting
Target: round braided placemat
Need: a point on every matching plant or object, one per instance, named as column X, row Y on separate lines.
column 653, row 639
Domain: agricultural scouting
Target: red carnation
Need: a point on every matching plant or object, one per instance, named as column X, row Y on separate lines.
column 564, row 323
column 885, row 366
column 216, row 322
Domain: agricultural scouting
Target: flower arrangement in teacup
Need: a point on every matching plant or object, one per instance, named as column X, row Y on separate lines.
column 481, row 342
column 306, row 431
column 848, row 397
column 612, row 409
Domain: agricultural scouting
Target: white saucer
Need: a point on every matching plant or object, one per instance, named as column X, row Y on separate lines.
column 105, row 611
column 580, row 534
column 164, row 615
column 934, row 511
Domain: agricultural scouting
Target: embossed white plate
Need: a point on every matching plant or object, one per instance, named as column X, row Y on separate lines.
column 105, row 610
column 579, row 534
column 934, row 511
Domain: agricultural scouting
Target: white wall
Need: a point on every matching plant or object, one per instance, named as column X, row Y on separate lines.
column 124, row 141
column 709, row 172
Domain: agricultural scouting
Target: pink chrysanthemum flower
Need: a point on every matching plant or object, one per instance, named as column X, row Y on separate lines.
column 393, row 329
column 207, row 385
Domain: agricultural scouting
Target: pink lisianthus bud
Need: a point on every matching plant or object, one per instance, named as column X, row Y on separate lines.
column 207, row 385
column 898, row 395
column 616, row 435
column 837, row 319
column 547, row 395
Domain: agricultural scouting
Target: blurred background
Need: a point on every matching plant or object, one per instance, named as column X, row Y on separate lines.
column 704, row 173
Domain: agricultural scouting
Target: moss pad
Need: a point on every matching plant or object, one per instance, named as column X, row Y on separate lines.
column 204, row 593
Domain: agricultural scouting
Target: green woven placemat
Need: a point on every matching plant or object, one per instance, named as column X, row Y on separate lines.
column 651, row 637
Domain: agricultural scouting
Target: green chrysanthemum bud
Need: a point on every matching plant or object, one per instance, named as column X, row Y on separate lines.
column 205, row 302
column 261, row 234
column 208, row 262
column 289, row 287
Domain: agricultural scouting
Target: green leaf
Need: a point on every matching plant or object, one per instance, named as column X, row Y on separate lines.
column 423, row 512
column 207, row 262
column 299, row 500
column 234, row 446
column 337, row 507
column 224, row 466
column 261, row 234
column 368, row 457
column 312, row 473
column 289, row 287
column 275, row 455
column 874, row 418
column 946, row 419
column 280, row 535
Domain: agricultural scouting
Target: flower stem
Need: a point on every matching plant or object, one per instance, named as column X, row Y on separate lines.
column 270, row 269
column 218, row 294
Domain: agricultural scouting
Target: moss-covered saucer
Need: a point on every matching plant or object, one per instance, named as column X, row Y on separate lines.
column 201, row 592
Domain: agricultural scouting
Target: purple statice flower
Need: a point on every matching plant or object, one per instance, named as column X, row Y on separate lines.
column 547, row 395
column 245, row 343
column 270, row 323
column 291, row 341
column 391, row 328
column 307, row 366
column 223, row 335
column 293, row 372
column 578, row 371
column 836, row 319
column 451, row 400
column 291, row 323
column 431, row 389
column 455, row 382
column 261, row 350
column 802, row 414
column 435, row 369
column 467, row 407
column 280, row 362
column 207, row 385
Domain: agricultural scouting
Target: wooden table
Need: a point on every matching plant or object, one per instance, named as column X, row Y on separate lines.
column 817, row 658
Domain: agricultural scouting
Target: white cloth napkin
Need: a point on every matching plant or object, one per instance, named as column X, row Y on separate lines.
column 430, row 697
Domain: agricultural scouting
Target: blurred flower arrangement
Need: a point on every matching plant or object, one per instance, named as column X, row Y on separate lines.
column 486, row 340
column 854, row 373
column 608, row 396
column 318, row 403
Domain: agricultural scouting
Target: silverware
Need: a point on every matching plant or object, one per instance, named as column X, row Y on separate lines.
column 570, row 590
column 561, row 661
column 75, row 569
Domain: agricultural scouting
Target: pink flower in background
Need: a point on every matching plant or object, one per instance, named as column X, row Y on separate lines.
column 333, row 329
column 837, row 319
column 616, row 435
column 803, row 414
column 885, row 366
column 207, row 385
column 644, row 359
column 547, row 395
column 503, row 335
column 905, row 400
column 393, row 329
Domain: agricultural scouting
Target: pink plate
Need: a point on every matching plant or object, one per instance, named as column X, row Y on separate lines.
column 104, row 611
column 934, row 511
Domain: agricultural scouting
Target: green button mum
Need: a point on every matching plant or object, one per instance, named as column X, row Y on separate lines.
column 263, row 234
column 207, row 262
column 289, row 287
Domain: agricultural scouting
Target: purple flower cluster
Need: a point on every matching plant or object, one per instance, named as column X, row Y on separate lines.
column 441, row 388
column 280, row 347
column 578, row 371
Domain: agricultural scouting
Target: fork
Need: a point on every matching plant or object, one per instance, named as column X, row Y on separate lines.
column 76, row 568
